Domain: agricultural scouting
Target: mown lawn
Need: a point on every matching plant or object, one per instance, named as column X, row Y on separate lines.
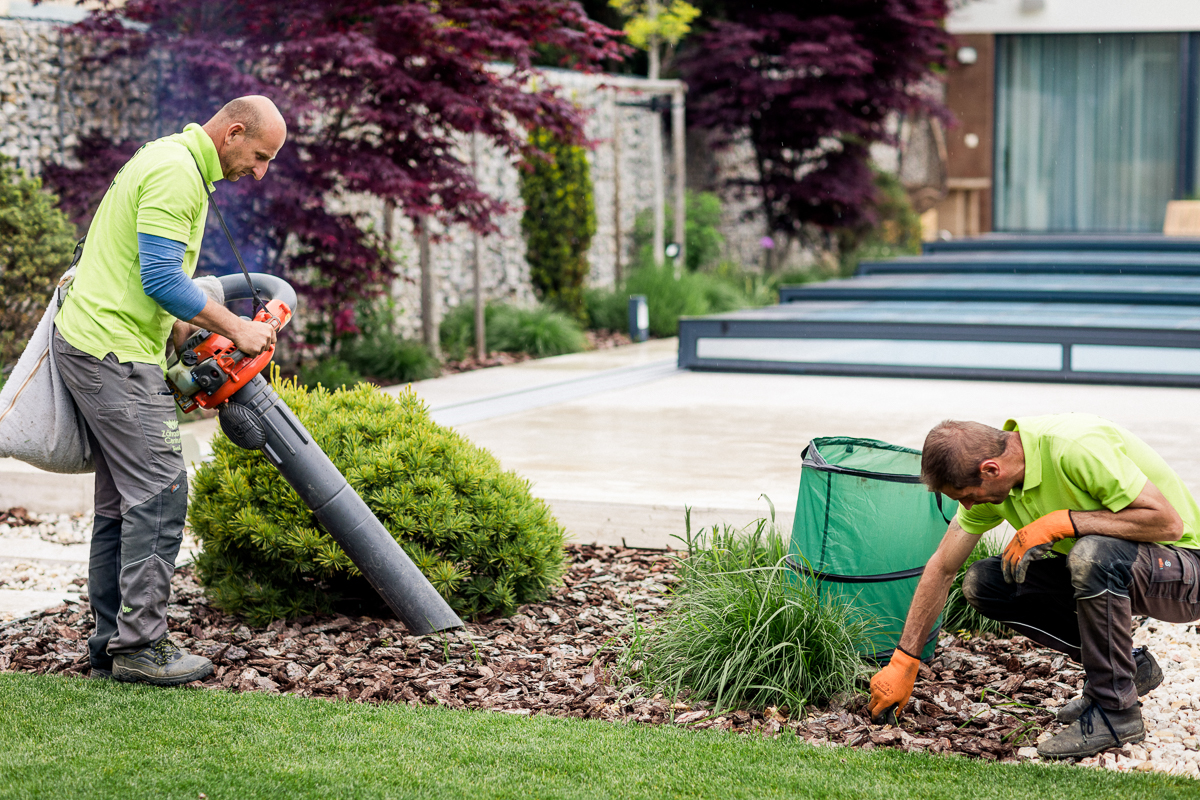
column 72, row 738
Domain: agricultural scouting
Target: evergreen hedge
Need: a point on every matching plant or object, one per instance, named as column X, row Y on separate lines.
column 473, row 529
column 36, row 241
column 559, row 222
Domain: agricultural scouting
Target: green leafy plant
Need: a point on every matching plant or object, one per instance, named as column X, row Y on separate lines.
column 607, row 308
column 742, row 628
column 377, row 353
column 36, row 241
column 669, row 296
column 381, row 353
column 895, row 232
column 961, row 615
column 559, row 221
column 540, row 331
column 473, row 529
column 330, row 372
column 702, row 235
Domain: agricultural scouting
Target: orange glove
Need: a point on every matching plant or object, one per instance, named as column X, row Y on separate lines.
column 1034, row 541
column 893, row 685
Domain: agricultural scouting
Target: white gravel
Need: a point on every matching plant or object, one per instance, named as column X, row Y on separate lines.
column 64, row 575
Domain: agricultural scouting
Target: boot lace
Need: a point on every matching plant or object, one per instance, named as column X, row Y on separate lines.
column 164, row 650
column 1087, row 725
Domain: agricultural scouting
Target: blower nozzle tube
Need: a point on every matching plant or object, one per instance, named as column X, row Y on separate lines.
column 264, row 417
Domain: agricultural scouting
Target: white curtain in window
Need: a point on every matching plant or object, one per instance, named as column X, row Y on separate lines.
column 1087, row 131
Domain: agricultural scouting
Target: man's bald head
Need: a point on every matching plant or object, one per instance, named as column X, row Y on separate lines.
column 248, row 132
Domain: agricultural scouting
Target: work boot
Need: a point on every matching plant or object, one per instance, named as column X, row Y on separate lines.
column 1146, row 677
column 1096, row 730
column 100, row 673
column 161, row 663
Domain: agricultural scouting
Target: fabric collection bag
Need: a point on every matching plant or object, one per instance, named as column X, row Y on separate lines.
column 39, row 423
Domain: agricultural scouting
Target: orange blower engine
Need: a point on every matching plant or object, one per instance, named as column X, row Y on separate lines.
column 211, row 368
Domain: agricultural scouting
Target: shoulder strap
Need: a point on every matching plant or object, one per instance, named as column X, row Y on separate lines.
column 258, row 301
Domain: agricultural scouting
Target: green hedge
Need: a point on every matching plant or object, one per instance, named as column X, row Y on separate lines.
column 473, row 529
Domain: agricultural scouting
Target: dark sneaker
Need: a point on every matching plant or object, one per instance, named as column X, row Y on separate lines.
column 1146, row 677
column 100, row 673
column 161, row 663
column 1095, row 730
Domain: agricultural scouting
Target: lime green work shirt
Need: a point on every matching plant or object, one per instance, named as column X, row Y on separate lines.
column 1081, row 462
column 158, row 192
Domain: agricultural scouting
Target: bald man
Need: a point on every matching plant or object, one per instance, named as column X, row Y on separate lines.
column 132, row 290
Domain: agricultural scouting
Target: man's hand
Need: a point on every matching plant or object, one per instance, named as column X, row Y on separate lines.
column 253, row 338
column 1033, row 542
column 892, row 686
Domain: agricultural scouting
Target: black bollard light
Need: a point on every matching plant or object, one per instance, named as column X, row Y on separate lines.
column 639, row 318
column 256, row 418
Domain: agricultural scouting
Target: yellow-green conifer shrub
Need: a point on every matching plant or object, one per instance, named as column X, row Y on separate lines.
column 473, row 529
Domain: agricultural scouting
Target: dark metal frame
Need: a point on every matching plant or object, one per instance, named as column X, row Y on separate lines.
column 1088, row 242
column 977, row 263
column 846, row 290
column 690, row 330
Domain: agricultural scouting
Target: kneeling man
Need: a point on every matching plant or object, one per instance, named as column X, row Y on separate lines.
column 1105, row 530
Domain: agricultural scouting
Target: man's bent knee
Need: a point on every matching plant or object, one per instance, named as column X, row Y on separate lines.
column 1101, row 564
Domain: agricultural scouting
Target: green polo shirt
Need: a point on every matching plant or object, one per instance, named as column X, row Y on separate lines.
column 1081, row 462
column 159, row 192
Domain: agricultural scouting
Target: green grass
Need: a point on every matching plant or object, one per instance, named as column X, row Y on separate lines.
column 71, row 738
column 743, row 629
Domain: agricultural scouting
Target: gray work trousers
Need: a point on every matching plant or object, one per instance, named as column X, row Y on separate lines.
column 1083, row 604
column 141, row 496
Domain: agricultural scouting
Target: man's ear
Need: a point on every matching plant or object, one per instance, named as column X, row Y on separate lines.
column 990, row 469
column 233, row 131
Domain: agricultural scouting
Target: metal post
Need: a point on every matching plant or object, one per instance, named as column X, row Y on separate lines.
column 476, row 260
column 429, row 329
column 616, row 142
column 678, row 144
column 656, row 156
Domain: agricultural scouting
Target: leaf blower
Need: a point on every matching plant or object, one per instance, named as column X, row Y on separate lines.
column 210, row 372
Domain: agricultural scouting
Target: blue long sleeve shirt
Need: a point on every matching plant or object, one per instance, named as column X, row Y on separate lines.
column 163, row 280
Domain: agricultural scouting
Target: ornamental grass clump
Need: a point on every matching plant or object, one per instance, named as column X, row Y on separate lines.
column 961, row 615
column 473, row 529
column 744, row 630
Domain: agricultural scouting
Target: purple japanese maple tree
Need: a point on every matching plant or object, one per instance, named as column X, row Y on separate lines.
column 374, row 94
column 813, row 84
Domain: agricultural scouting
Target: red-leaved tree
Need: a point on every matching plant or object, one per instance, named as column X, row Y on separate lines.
column 375, row 94
column 813, row 84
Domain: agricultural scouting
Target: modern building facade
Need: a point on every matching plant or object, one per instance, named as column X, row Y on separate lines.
column 1073, row 115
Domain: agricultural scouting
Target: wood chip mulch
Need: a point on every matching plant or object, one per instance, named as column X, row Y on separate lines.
column 983, row 697
column 17, row 517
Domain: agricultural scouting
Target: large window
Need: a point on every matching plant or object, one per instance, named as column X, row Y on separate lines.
column 1089, row 131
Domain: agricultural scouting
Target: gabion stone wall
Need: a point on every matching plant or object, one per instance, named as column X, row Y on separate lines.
column 49, row 97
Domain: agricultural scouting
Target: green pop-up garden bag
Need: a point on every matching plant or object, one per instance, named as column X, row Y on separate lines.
column 865, row 527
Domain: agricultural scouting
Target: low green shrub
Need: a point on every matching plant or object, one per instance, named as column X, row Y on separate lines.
column 474, row 530
column 36, row 242
column 670, row 297
column 607, row 308
column 961, row 615
column 377, row 353
column 540, row 331
column 743, row 629
column 330, row 372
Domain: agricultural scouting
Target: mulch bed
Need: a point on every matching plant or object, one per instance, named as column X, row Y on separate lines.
column 983, row 697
